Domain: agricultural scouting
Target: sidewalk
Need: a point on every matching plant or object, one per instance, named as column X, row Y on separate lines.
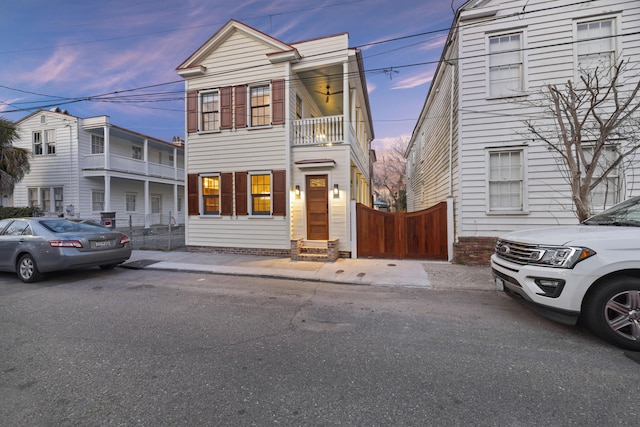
column 377, row 272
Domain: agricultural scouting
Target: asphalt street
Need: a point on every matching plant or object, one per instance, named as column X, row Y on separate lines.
column 158, row 348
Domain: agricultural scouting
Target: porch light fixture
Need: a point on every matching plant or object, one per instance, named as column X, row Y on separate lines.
column 336, row 190
column 297, row 191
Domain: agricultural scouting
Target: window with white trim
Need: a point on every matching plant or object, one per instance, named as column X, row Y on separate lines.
column 506, row 180
column 607, row 192
column 210, row 111
column 97, row 201
column 506, row 65
column 130, row 202
column 260, row 105
column 260, row 187
column 97, row 144
column 58, row 199
column 32, row 194
column 596, row 45
column 210, row 190
column 50, row 141
column 37, row 143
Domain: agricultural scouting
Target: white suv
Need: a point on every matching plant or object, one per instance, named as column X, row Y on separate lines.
column 589, row 271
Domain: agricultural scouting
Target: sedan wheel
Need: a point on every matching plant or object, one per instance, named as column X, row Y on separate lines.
column 614, row 312
column 28, row 270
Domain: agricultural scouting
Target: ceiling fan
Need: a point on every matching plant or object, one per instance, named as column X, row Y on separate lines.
column 328, row 93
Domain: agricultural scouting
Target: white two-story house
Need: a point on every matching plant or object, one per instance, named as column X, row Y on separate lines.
column 277, row 143
column 90, row 168
column 470, row 144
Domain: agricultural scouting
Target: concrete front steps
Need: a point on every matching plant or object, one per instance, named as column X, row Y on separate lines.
column 314, row 250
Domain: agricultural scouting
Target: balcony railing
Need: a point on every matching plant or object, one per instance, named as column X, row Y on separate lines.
column 319, row 130
column 129, row 165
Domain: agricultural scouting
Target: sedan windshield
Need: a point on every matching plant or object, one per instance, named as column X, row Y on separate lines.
column 626, row 213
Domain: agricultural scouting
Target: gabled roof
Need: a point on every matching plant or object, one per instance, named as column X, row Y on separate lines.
column 192, row 65
column 55, row 110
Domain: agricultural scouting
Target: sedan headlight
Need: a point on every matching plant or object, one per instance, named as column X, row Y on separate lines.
column 562, row 257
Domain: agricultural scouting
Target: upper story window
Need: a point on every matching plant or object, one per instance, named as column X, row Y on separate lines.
column 260, row 105
column 37, row 143
column 50, row 141
column 44, row 142
column 596, row 45
column 97, row 144
column 210, row 195
column 136, row 152
column 260, row 194
column 506, row 65
column 506, row 180
column 210, row 111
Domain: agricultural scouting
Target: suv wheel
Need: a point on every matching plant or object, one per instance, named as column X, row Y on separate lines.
column 613, row 312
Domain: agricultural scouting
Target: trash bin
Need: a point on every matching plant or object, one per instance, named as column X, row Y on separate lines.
column 108, row 219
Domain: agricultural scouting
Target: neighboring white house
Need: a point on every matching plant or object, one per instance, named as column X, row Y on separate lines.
column 469, row 145
column 278, row 142
column 88, row 168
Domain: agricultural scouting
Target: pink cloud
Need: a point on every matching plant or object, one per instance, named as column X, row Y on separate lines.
column 413, row 81
column 59, row 67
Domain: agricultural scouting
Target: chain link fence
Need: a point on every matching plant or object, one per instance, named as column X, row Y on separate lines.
column 156, row 237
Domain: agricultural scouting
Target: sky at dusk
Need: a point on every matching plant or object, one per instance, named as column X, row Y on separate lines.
column 55, row 52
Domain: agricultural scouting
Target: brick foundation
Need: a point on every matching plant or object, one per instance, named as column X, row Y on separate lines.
column 240, row 251
column 474, row 250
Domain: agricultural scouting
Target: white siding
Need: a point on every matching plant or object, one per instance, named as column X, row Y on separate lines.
column 499, row 122
column 65, row 169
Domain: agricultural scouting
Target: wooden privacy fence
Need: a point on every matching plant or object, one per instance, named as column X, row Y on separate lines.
column 414, row 235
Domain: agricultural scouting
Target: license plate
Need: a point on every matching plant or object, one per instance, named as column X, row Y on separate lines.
column 104, row 244
column 499, row 283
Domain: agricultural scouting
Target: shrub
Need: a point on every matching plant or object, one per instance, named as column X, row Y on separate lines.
column 8, row 212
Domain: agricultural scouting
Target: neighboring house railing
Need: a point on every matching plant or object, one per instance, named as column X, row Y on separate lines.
column 129, row 165
column 319, row 130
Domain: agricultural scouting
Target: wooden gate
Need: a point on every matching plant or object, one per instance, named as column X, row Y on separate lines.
column 415, row 235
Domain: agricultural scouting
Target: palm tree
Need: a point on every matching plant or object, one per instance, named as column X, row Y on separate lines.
column 14, row 161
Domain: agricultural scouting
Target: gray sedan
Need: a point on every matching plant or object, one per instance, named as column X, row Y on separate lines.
column 32, row 246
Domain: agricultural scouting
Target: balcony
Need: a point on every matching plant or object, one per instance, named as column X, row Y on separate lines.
column 319, row 131
column 133, row 166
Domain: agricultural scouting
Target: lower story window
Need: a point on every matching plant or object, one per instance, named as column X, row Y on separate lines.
column 97, row 201
column 40, row 197
column 130, row 202
column 607, row 192
column 506, row 180
column 261, row 194
column 211, row 195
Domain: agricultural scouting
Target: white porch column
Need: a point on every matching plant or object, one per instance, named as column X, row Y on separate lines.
column 346, row 95
column 175, row 203
column 147, row 205
column 146, row 156
column 107, row 148
column 175, row 163
column 107, row 193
